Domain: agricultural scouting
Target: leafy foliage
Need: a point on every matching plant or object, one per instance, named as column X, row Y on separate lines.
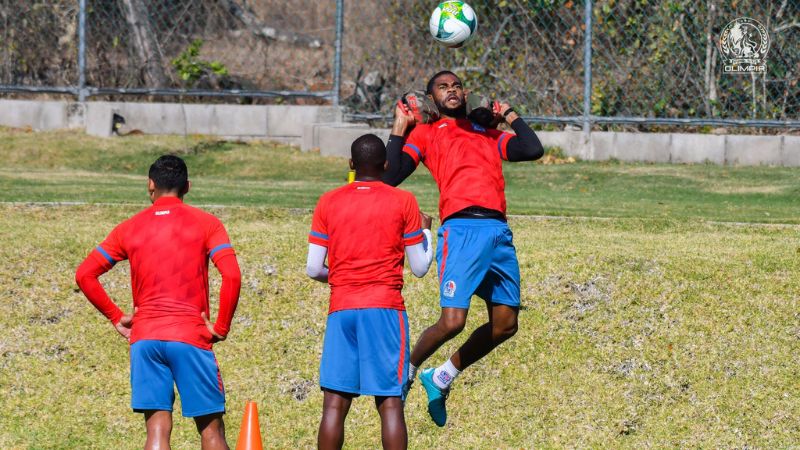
column 191, row 68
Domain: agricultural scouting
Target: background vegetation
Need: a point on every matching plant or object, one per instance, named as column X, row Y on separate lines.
column 650, row 58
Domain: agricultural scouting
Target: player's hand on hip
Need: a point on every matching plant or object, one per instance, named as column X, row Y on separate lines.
column 215, row 337
column 124, row 326
column 403, row 119
column 426, row 220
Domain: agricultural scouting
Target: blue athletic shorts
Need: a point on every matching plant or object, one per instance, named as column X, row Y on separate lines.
column 156, row 365
column 365, row 352
column 477, row 256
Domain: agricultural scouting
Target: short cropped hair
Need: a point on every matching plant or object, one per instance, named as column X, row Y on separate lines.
column 169, row 173
column 432, row 81
column 368, row 151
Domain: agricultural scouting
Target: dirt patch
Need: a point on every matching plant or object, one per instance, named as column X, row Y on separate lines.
column 590, row 294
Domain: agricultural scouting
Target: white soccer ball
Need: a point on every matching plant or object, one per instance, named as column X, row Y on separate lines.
column 453, row 23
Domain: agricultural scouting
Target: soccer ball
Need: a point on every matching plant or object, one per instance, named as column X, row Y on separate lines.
column 453, row 23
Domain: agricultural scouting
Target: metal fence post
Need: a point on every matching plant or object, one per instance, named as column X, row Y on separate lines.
column 82, row 51
column 587, row 71
column 337, row 55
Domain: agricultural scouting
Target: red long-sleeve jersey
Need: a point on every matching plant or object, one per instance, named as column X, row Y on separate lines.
column 168, row 246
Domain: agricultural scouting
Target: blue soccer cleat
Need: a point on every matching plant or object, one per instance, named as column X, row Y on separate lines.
column 436, row 397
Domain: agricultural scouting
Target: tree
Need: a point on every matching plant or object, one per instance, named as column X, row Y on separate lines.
column 145, row 42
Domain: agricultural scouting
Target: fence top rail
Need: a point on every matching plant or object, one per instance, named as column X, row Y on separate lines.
column 164, row 92
column 579, row 120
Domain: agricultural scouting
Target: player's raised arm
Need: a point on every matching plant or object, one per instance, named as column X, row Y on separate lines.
column 525, row 146
column 420, row 255
column 401, row 165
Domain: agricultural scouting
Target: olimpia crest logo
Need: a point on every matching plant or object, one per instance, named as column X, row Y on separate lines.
column 449, row 289
column 744, row 44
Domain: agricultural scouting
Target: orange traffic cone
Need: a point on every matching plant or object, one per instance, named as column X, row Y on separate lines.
column 250, row 433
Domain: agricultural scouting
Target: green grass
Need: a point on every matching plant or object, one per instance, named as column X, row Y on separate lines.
column 654, row 327
column 69, row 167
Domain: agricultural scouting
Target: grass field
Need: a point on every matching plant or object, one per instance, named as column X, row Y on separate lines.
column 649, row 318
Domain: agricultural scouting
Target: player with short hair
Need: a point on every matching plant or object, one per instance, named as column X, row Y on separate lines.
column 475, row 252
column 169, row 245
column 364, row 229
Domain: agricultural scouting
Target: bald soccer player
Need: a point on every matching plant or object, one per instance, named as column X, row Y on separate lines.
column 365, row 229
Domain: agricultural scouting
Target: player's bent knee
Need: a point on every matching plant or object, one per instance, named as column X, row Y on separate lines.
column 451, row 326
column 505, row 331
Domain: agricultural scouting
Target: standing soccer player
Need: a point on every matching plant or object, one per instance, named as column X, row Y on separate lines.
column 364, row 228
column 168, row 246
column 475, row 252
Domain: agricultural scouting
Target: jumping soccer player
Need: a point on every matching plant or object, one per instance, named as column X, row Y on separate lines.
column 169, row 245
column 475, row 252
column 364, row 228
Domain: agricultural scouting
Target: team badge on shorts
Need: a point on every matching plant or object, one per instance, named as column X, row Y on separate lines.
column 449, row 288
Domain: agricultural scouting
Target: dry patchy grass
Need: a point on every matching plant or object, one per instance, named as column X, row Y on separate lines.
column 633, row 333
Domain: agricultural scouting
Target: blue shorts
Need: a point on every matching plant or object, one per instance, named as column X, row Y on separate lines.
column 365, row 352
column 477, row 256
column 156, row 365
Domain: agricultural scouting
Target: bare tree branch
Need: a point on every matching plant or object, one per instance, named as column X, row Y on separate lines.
column 249, row 19
column 786, row 26
column 496, row 38
column 145, row 42
column 782, row 9
column 709, row 76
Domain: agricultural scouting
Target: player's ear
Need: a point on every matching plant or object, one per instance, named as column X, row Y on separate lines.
column 151, row 189
column 187, row 188
column 386, row 165
column 352, row 166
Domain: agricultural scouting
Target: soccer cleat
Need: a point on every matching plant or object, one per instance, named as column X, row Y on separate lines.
column 436, row 397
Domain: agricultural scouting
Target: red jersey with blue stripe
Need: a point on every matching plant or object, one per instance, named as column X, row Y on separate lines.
column 168, row 245
column 465, row 160
column 366, row 226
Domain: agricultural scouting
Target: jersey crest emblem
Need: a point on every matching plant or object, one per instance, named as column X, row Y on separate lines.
column 449, row 289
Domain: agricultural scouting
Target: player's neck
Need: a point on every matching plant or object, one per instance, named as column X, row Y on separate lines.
column 456, row 117
column 165, row 195
column 367, row 178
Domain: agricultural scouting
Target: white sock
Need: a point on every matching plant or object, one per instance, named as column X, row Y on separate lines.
column 444, row 375
column 412, row 372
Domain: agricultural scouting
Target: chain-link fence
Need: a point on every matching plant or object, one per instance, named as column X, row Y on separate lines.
column 531, row 57
column 651, row 62
column 169, row 47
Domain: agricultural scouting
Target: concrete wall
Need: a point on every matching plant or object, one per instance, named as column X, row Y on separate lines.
column 634, row 147
column 321, row 128
column 274, row 122
column 36, row 115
